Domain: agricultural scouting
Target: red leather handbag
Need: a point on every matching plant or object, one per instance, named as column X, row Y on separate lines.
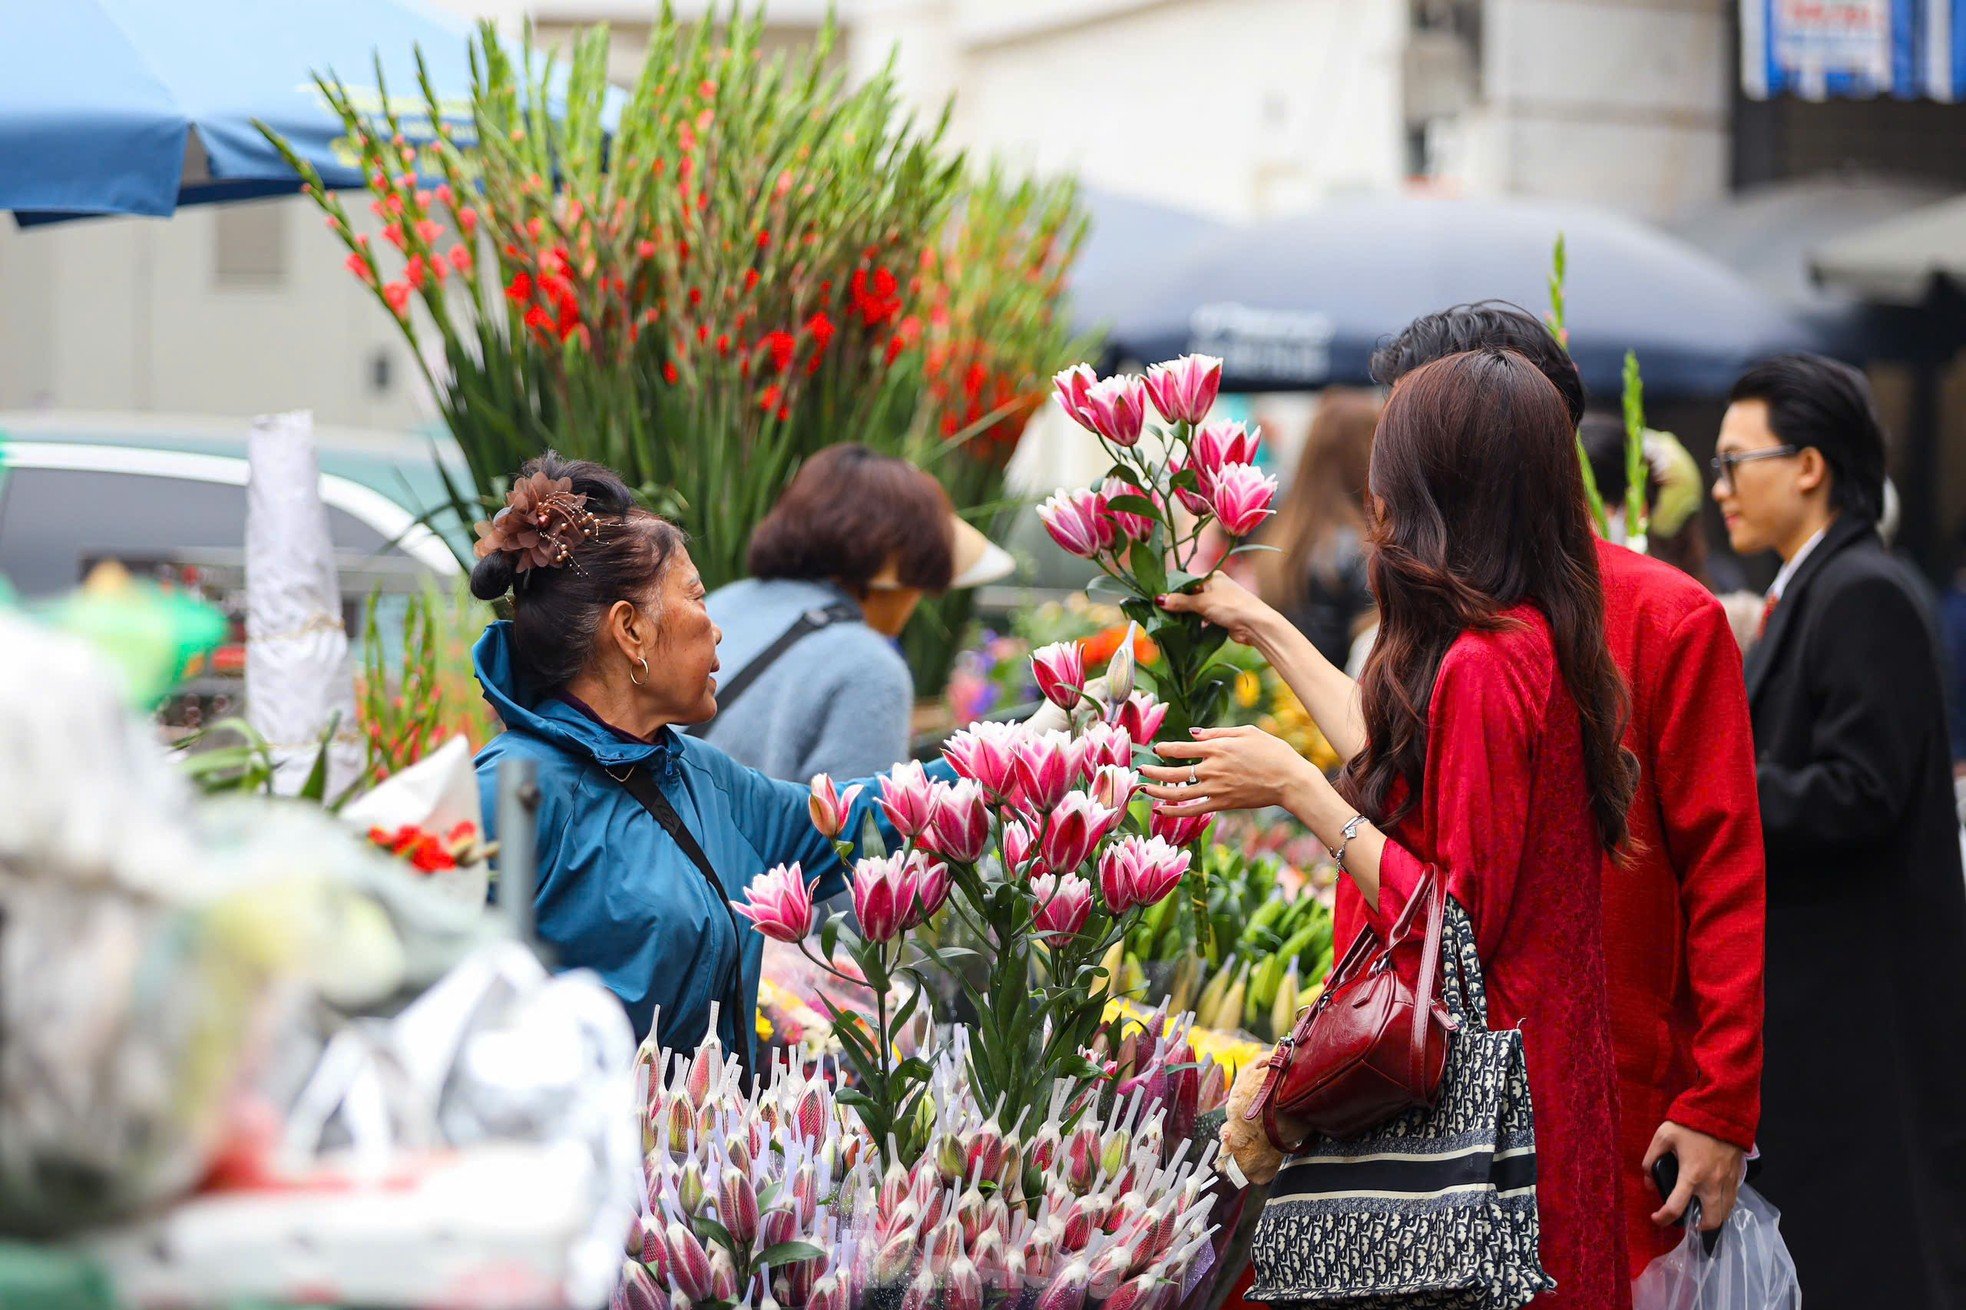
column 1372, row 1046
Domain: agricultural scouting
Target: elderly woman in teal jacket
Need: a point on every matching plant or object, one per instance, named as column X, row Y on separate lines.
column 609, row 648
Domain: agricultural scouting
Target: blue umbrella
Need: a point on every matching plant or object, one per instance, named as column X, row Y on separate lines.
column 1301, row 302
column 139, row 106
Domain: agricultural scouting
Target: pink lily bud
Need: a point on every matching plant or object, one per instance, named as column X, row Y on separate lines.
column 681, row 1300
column 1142, row 714
column 779, row 903
column 1113, row 1154
column 1076, row 822
column 965, row 1287
column 690, row 1189
column 1044, row 1147
column 1241, row 498
column 1131, row 524
column 959, row 820
column 945, row 1244
column 1079, row 521
column 638, row 1289
column 1117, row 407
column 723, row 1276
column 826, row 1294
column 809, row 1116
column 1067, row 1290
column 1077, row 1231
column 984, row 1156
column 1218, row 445
column 1062, row 906
column 1134, row 1294
column 904, row 1218
column 986, row 754
column 1109, row 1269
column 702, row 1066
column 689, row 1263
column 681, row 1126
column 1183, row 389
column 1044, row 771
column 1214, row 1092
column 1040, row 1252
column 1081, row 1160
column 1060, row 670
column 805, row 1192
column 829, row 806
column 1112, row 787
column 737, row 1207
column 921, row 1293
column 1074, row 385
column 1012, row 1271
column 882, row 895
column 896, row 1258
column 637, row 1235
column 904, row 797
column 776, row 1227
column 970, row 1217
column 1019, row 848
column 1179, row 831
column 950, row 1159
column 987, row 1252
column 894, row 1189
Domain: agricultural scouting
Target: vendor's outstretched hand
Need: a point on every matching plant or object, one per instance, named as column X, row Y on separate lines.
column 1225, row 603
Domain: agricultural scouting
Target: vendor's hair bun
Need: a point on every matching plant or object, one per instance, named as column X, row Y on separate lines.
column 492, row 576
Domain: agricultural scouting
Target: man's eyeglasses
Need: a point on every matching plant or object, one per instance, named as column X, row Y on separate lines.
column 1727, row 461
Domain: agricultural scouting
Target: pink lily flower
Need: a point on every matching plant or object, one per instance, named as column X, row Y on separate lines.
column 779, row 904
column 1060, row 671
column 1184, row 389
column 1241, row 497
column 1078, row 521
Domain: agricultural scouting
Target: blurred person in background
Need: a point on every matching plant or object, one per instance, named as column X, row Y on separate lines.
column 1673, row 492
column 1683, row 908
column 1864, row 1127
column 814, row 682
column 1316, row 575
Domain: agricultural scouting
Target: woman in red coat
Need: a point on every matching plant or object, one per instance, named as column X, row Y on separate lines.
column 1484, row 739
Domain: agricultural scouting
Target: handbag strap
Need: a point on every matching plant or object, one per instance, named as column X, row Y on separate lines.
column 645, row 791
column 824, row 616
column 1426, row 998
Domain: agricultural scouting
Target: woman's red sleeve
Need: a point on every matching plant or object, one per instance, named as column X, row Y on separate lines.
column 1482, row 722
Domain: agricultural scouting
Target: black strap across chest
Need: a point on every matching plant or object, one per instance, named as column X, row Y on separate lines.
column 824, row 616
column 643, row 788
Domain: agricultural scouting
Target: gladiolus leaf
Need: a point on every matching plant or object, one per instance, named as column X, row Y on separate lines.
column 788, row 1253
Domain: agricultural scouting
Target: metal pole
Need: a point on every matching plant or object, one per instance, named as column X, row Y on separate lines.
column 518, row 807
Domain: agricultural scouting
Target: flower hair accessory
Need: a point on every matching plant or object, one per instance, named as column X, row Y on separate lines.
column 542, row 522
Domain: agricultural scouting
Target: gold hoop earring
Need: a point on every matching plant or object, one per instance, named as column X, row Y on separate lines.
column 643, row 661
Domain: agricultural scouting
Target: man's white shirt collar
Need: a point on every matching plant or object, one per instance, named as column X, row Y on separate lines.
column 1795, row 562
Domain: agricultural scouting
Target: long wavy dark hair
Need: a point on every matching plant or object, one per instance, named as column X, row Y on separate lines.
column 1479, row 506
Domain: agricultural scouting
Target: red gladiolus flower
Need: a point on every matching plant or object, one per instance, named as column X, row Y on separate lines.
column 764, row 240
column 750, row 278
column 821, row 328
column 781, row 346
column 539, row 320
column 429, row 229
column 393, row 234
column 723, row 344
column 669, row 373
column 768, row 401
column 645, row 249
column 461, row 258
column 358, row 264
column 397, row 294
column 445, row 194
column 519, row 289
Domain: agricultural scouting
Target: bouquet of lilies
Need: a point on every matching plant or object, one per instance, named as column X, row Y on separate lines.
column 1036, row 854
column 1181, row 496
column 779, row 1199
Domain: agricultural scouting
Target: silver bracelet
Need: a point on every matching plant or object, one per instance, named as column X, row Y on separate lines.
column 1349, row 831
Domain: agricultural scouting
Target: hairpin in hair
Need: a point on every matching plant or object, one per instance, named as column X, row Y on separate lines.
column 542, row 522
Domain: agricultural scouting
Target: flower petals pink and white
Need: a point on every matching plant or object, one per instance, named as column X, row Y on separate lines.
column 1103, row 744
column 1060, row 671
column 1019, row 850
column 1140, row 871
column 1184, row 389
column 959, row 821
column 1142, row 714
column 1075, row 826
column 1063, row 905
column 987, row 753
column 1178, row 831
column 1118, row 408
column 1046, row 767
column 1220, row 444
column 1241, row 497
column 1073, row 385
column 883, row 895
column 930, row 887
column 829, row 806
column 1079, row 521
column 1113, row 786
column 779, row 904
column 904, row 798
column 1128, row 523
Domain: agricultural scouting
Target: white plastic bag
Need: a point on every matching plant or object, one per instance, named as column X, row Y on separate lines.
column 1749, row 1269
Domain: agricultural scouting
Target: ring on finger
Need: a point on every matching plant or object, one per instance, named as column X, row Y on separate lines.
column 1194, row 777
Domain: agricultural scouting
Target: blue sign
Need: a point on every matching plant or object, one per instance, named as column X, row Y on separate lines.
column 1854, row 49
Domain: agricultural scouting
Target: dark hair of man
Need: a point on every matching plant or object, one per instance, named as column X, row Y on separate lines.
column 1821, row 403
column 1484, row 325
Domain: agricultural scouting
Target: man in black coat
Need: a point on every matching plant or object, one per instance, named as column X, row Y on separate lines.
column 1863, row 1125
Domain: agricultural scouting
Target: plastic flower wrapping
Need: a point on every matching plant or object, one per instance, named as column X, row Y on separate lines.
column 780, row 1199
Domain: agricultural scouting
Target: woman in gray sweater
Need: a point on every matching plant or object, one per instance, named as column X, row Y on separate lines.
column 812, row 679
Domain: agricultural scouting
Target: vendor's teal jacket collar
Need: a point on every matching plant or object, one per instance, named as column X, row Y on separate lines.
column 520, row 705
